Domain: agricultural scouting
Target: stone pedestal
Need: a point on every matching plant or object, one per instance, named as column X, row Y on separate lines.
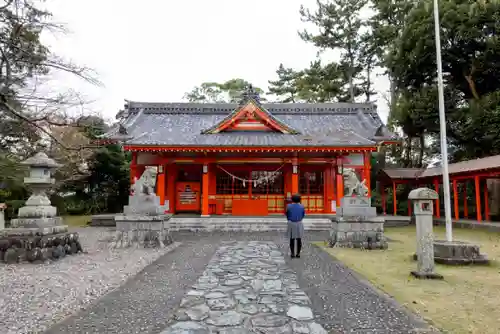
column 142, row 230
column 38, row 234
column 357, row 225
column 143, row 222
column 423, row 208
column 457, row 253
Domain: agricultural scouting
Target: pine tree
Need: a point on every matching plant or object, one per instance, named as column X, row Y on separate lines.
column 340, row 26
column 285, row 88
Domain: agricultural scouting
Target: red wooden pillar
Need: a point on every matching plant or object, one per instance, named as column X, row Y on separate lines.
column 466, row 205
column 394, row 203
column 486, row 202
column 160, row 183
column 367, row 167
column 478, row 198
column 171, row 178
column 295, row 176
column 409, row 207
column 329, row 187
column 205, row 184
column 455, row 200
column 340, row 187
column 382, row 194
column 437, row 210
column 133, row 167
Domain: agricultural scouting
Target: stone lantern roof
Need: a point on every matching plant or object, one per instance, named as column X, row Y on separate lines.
column 41, row 160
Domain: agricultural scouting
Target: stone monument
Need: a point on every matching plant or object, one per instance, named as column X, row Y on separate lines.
column 38, row 233
column 143, row 222
column 356, row 224
column 444, row 252
column 423, row 203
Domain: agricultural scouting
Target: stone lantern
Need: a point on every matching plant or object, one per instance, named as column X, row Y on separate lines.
column 38, row 211
column 38, row 234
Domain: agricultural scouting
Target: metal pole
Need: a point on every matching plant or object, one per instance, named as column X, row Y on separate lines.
column 442, row 125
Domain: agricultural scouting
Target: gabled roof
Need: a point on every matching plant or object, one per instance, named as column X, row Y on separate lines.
column 255, row 111
column 293, row 125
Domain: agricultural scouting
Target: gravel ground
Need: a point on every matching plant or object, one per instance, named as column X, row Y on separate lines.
column 35, row 296
column 147, row 303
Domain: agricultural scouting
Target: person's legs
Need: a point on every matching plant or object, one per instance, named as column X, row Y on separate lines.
column 292, row 247
column 299, row 246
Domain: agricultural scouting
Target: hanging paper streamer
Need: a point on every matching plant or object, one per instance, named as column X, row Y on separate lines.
column 256, row 181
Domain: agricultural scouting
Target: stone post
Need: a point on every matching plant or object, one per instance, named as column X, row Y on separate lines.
column 3, row 206
column 423, row 201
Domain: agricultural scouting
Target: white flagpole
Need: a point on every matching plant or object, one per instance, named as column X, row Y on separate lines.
column 442, row 125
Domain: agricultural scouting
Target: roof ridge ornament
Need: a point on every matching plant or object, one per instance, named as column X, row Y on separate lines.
column 250, row 93
column 122, row 129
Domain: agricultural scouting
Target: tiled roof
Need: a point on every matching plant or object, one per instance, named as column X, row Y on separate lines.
column 176, row 124
column 402, row 173
column 475, row 165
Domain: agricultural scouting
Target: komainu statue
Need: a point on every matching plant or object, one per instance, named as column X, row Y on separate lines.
column 352, row 185
column 145, row 185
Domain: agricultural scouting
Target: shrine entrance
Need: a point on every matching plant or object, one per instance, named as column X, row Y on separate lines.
column 256, row 190
column 188, row 189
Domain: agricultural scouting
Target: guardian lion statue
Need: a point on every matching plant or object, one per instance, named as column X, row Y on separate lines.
column 145, row 185
column 352, row 185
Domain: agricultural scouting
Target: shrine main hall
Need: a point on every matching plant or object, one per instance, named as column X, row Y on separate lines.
column 248, row 158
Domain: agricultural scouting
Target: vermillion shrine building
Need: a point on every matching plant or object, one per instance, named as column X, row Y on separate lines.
column 247, row 159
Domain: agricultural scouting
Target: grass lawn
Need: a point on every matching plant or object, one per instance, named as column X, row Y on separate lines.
column 467, row 301
column 76, row 221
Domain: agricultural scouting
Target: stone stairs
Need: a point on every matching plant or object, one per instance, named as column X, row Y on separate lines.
column 243, row 224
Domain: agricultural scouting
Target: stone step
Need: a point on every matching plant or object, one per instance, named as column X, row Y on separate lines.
column 245, row 220
column 243, row 224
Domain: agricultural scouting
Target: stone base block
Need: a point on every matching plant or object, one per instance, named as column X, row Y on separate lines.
column 37, row 210
column 28, row 222
column 354, row 234
column 426, row 275
column 357, row 211
column 17, row 248
column 33, row 231
column 457, row 253
column 144, row 205
column 145, row 231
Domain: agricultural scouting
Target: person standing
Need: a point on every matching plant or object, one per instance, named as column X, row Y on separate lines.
column 295, row 213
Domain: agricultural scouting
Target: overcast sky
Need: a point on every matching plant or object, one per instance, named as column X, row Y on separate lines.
column 157, row 50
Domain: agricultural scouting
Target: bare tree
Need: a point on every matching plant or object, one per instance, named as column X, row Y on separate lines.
column 28, row 106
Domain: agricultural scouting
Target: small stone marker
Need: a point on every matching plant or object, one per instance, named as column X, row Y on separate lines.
column 423, row 203
column 3, row 206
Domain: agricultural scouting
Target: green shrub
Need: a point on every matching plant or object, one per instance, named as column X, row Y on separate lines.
column 12, row 209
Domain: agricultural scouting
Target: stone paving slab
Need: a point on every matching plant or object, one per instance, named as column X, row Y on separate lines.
column 246, row 288
column 147, row 303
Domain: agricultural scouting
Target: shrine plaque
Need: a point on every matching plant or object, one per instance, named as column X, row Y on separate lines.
column 356, row 201
column 188, row 196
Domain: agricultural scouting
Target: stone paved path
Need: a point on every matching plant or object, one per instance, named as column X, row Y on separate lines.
column 246, row 288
